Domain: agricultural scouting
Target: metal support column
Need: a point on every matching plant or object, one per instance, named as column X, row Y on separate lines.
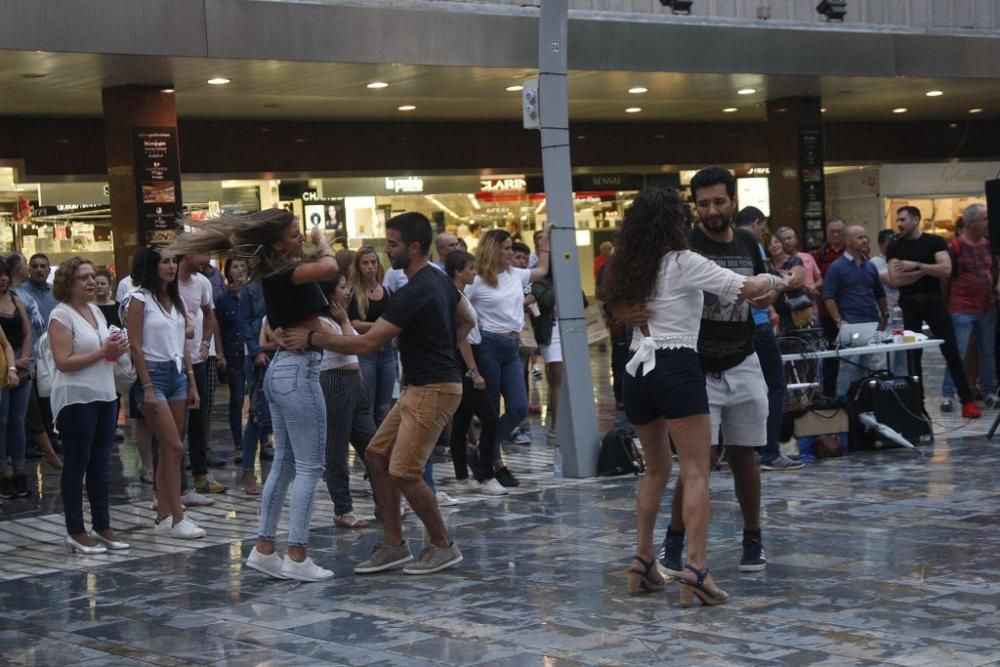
column 576, row 429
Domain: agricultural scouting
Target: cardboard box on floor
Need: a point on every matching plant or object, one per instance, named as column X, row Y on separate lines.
column 821, row 422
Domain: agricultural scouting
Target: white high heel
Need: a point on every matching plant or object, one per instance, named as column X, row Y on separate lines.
column 113, row 545
column 76, row 547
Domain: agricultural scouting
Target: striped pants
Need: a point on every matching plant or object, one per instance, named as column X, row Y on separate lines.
column 348, row 420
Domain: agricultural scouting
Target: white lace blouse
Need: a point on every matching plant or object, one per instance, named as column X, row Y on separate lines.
column 675, row 309
column 94, row 383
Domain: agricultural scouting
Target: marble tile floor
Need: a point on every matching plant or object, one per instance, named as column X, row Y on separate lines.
column 880, row 558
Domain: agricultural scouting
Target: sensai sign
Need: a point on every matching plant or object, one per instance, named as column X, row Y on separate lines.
column 503, row 185
column 407, row 184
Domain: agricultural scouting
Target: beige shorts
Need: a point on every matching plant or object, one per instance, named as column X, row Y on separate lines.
column 408, row 434
column 737, row 403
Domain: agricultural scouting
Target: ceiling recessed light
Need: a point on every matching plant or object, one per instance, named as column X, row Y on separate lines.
column 407, row 107
column 633, row 109
column 377, row 84
column 746, row 91
column 514, row 89
column 900, row 110
column 34, row 75
column 823, row 110
column 218, row 81
column 299, row 140
column 976, row 110
column 168, row 91
column 638, row 90
column 935, row 93
column 730, row 110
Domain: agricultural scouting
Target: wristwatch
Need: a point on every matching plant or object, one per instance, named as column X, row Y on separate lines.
column 472, row 373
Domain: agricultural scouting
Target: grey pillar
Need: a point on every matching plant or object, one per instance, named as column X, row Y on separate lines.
column 576, row 429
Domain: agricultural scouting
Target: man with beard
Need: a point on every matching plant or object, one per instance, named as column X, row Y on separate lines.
column 428, row 318
column 737, row 392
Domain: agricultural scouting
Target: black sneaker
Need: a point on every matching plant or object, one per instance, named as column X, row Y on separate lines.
column 6, row 487
column 754, row 557
column 267, row 453
column 213, row 461
column 673, row 553
column 506, row 477
column 21, row 485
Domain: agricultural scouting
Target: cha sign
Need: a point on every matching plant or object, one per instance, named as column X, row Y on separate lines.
column 410, row 184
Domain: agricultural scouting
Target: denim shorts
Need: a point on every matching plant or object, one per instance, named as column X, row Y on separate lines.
column 169, row 384
column 673, row 390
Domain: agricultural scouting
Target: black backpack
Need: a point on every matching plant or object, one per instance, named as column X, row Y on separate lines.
column 619, row 455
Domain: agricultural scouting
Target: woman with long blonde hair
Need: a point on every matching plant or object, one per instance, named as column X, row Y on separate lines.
column 369, row 300
column 271, row 243
column 497, row 294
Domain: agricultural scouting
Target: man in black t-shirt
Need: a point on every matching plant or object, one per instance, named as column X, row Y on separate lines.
column 737, row 393
column 917, row 264
column 427, row 318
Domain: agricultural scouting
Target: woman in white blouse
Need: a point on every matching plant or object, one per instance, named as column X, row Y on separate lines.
column 498, row 297
column 165, row 388
column 84, row 403
column 652, row 273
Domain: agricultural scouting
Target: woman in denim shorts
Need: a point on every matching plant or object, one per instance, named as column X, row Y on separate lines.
column 655, row 283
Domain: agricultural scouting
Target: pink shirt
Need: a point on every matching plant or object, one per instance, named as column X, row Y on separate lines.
column 812, row 268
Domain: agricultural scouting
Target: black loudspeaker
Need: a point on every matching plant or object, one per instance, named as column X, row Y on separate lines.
column 993, row 210
column 896, row 402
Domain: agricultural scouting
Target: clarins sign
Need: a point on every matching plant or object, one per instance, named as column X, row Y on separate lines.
column 503, row 185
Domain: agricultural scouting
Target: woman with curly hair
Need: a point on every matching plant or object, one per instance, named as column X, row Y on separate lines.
column 84, row 403
column 271, row 243
column 497, row 294
column 656, row 281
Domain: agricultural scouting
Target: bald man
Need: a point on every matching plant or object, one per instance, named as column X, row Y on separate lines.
column 853, row 294
column 604, row 254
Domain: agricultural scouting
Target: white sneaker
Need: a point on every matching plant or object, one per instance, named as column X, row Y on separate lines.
column 194, row 499
column 520, row 437
column 155, row 505
column 187, row 530
column 467, row 485
column 307, row 570
column 491, row 487
column 444, row 500
column 164, row 526
column 269, row 564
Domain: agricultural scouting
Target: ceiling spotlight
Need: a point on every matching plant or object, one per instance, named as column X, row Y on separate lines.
column 377, row 84
column 678, row 6
column 218, row 81
column 514, row 89
column 823, row 110
column 746, row 91
column 638, row 90
column 168, row 91
column 730, row 110
column 407, row 107
column 935, row 93
column 833, row 10
column 900, row 110
column 633, row 110
column 976, row 110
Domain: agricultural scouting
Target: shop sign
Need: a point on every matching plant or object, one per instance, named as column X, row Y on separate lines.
column 158, row 182
column 59, row 209
column 503, row 185
column 310, row 195
column 409, row 184
column 812, row 187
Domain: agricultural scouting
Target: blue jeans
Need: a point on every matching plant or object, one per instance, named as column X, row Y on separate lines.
column 766, row 345
column 379, row 372
column 298, row 418
column 259, row 422
column 500, row 366
column 88, row 434
column 13, row 408
column 237, row 391
column 983, row 326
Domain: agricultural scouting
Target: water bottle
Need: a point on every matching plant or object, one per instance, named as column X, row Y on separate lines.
column 896, row 324
column 114, row 333
column 556, row 462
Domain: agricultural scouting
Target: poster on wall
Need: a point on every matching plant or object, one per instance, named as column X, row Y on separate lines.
column 158, row 183
column 812, row 187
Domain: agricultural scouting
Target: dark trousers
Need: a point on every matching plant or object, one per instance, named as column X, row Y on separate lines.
column 829, row 366
column 773, row 368
column 931, row 309
column 480, row 404
column 88, row 434
column 237, row 391
column 349, row 419
column 196, row 436
column 619, row 357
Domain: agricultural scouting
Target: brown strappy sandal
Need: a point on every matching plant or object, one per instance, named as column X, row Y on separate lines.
column 649, row 579
column 688, row 589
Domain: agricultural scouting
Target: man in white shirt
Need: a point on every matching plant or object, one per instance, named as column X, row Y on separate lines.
column 196, row 293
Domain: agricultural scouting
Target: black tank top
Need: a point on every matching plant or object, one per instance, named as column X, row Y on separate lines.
column 12, row 326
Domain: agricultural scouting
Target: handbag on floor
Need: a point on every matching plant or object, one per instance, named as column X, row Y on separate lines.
column 619, row 454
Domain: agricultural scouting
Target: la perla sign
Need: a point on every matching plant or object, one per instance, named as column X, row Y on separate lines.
column 408, row 184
